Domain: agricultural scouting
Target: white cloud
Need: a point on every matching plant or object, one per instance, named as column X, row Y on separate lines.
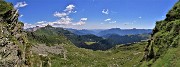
column 63, row 19
column 69, row 8
column 26, row 25
column 42, row 25
column 80, row 23
column 74, row 12
column 113, row 22
column 102, row 23
column 105, row 11
column 21, row 15
column 83, row 19
column 140, row 17
column 67, row 11
column 57, row 14
column 41, row 22
column 108, row 19
column 20, row 4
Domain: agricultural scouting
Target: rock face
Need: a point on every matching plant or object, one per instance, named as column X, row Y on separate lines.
column 13, row 42
column 44, row 50
column 165, row 35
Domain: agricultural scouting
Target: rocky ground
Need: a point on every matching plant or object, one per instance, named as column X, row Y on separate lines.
column 42, row 49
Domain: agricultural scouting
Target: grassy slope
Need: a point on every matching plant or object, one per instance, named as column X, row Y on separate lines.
column 47, row 36
column 126, row 56
column 165, row 41
column 169, row 59
column 5, row 7
column 90, row 43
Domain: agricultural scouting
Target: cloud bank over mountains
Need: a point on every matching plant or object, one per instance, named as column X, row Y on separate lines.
column 64, row 20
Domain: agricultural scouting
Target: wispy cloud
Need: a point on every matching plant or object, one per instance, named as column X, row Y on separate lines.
column 83, row 19
column 69, row 7
column 113, row 22
column 21, row 15
column 79, row 23
column 140, row 17
column 108, row 19
column 20, row 4
column 105, row 11
column 41, row 22
column 128, row 23
column 58, row 14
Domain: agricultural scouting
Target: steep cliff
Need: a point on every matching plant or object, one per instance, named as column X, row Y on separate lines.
column 166, row 35
column 14, row 47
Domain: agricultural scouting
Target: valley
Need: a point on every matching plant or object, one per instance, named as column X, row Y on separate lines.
column 52, row 35
column 51, row 46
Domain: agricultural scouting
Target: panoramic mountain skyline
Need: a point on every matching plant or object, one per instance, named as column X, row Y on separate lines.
column 93, row 14
column 57, row 44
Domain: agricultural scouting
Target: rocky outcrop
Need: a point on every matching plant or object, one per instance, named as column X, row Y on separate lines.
column 13, row 43
column 42, row 49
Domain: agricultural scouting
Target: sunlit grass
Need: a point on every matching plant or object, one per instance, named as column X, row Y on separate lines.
column 89, row 43
column 118, row 56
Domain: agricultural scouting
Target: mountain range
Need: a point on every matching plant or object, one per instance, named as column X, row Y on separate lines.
column 88, row 41
column 103, row 32
column 55, row 47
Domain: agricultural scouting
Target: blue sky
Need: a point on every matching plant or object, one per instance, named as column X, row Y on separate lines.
column 93, row 14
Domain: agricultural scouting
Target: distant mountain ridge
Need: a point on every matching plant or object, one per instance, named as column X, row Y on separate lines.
column 85, row 31
column 103, row 32
column 124, row 31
